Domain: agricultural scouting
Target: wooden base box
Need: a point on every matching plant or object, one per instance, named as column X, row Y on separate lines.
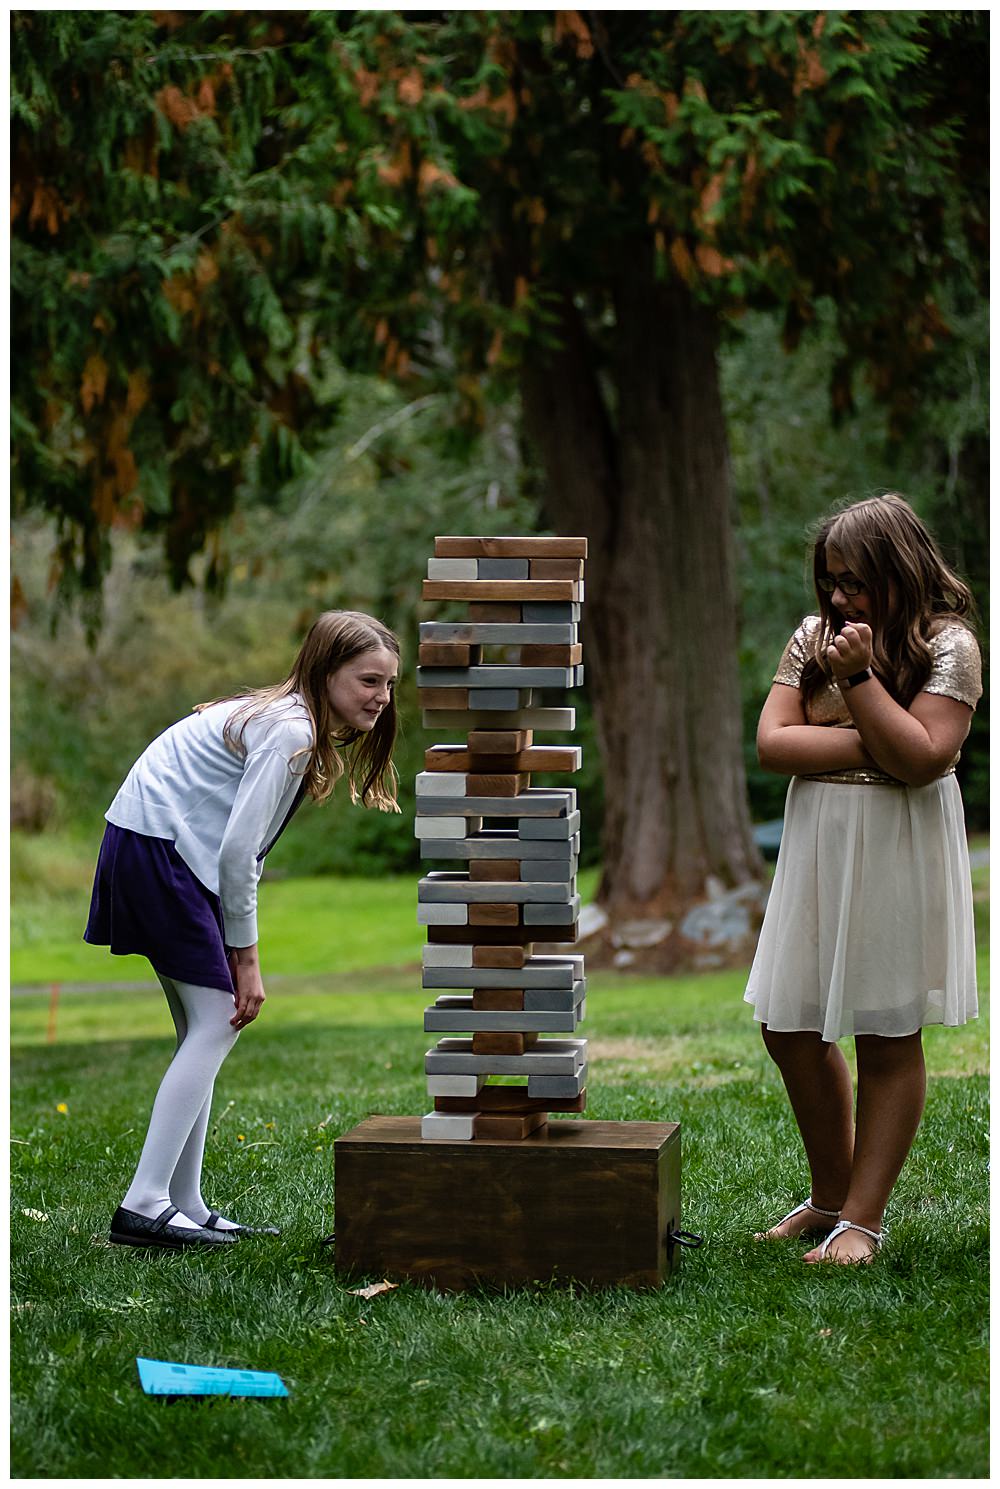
column 595, row 1202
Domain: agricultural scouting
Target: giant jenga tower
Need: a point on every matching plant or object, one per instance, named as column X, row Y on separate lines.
column 511, row 849
column 484, row 1187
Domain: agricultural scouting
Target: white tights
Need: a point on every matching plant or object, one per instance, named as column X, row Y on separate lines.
column 169, row 1171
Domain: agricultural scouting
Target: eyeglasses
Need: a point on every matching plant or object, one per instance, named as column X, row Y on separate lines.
column 848, row 586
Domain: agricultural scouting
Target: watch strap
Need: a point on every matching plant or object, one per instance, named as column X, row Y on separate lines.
column 858, row 677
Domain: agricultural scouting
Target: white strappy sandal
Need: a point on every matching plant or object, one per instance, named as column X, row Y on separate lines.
column 845, row 1225
column 806, row 1204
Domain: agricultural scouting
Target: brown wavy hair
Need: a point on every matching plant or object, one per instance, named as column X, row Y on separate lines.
column 335, row 637
column 887, row 547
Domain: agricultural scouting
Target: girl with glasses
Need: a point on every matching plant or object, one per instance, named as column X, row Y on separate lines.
column 868, row 930
column 177, row 877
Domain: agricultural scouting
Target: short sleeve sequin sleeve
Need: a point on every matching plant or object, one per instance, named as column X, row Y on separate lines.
column 956, row 671
column 797, row 653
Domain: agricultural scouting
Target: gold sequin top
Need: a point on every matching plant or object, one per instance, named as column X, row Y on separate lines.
column 956, row 672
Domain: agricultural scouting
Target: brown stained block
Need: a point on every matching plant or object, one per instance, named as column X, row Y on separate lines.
column 495, row 613
column 457, row 758
column 498, row 741
column 496, row 785
column 448, row 654
column 494, row 915
column 497, row 999
column 501, row 1042
column 513, row 1128
column 555, row 568
column 549, row 656
column 500, row 956
column 495, row 935
column 587, row 1200
column 442, row 698
column 500, row 1099
column 519, row 591
column 495, row 871
column 490, row 547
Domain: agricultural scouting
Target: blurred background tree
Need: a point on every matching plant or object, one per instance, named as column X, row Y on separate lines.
column 574, row 241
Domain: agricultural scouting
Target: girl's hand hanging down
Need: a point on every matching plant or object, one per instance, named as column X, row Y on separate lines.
column 249, row 996
column 851, row 651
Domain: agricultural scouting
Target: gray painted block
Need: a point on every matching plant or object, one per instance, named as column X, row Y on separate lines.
column 441, row 887
column 497, row 633
column 446, row 827
column 440, row 783
column 537, row 801
column 549, row 1057
column 461, row 569
column 451, row 1017
column 563, row 870
column 445, row 956
column 498, row 699
column 563, row 827
column 495, row 675
column 513, row 847
column 449, row 915
column 549, row 998
column 455, row 1085
column 579, row 676
column 516, row 718
column 528, row 976
column 502, row 568
column 552, row 914
column 550, row 611
column 450, row 1127
column 558, row 1085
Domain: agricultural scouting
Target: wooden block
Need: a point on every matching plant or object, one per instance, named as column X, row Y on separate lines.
column 490, row 547
column 494, row 676
column 528, row 717
column 493, row 915
column 513, row 633
column 451, row 915
column 453, row 654
column 538, row 801
column 509, row 590
column 449, row 698
column 501, row 1099
column 457, row 759
column 507, row 568
column 495, row 613
column 444, row 956
column 497, row 998
column 500, row 957
column 547, row 656
column 485, row 935
column 454, row 1085
column 512, row 1127
column 551, row 568
column 566, row 1058
column 592, row 1201
column 438, row 783
column 498, row 741
column 455, row 568
column 491, row 870
column 493, row 1043
column 496, row 785
column 447, row 1127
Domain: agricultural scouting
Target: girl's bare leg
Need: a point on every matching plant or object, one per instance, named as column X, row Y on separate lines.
column 892, row 1085
column 818, row 1083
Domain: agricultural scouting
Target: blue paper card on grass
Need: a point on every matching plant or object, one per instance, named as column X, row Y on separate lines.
column 164, row 1378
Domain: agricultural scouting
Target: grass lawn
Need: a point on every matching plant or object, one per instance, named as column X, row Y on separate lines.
column 747, row 1365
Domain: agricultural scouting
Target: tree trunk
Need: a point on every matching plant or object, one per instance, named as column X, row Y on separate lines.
column 649, row 487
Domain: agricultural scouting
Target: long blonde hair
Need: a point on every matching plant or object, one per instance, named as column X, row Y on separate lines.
column 335, row 637
column 887, row 547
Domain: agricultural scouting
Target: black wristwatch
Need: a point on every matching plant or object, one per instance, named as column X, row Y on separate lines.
column 856, row 678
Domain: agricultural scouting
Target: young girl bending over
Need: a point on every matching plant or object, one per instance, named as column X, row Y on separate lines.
column 868, row 930
column 178, row 870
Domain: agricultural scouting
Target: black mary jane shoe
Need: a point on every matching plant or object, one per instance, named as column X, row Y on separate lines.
column 239, row 1230
column 130, row 1229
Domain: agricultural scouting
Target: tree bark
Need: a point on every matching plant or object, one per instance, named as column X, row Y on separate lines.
column 648, row 484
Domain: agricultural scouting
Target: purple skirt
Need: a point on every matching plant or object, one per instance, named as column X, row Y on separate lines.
column 147, row 902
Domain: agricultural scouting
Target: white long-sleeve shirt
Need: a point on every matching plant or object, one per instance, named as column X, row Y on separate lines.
column 220, row 809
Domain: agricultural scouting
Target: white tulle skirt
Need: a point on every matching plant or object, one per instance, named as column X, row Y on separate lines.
column 868, row 928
